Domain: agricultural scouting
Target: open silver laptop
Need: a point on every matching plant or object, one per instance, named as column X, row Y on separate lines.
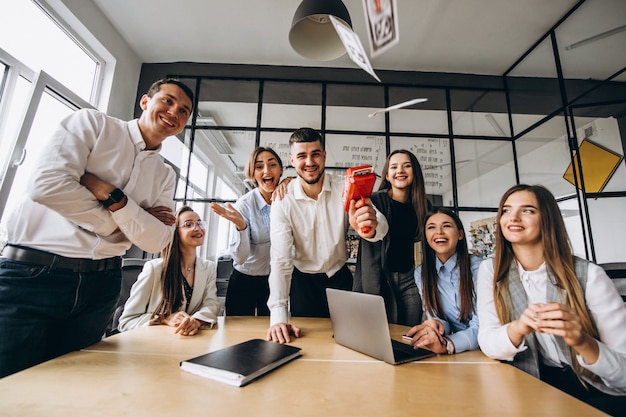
column 360, row 323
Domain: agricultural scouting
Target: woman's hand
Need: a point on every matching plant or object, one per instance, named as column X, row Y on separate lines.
column 525, row 324
column 562, row 320
column 230, row 213
column 281, row 189
column 428, row 335
column 184, row 323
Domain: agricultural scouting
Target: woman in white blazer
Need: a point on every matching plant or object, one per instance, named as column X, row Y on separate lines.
column 178, row 289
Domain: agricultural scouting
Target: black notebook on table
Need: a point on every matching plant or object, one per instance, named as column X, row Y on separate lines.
column 241, row 363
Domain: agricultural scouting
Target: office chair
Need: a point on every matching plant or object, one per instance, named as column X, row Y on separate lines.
column 131, row 267
column 617, row 272
column 224, row 269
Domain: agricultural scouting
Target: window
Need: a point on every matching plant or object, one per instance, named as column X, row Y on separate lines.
column 30, row 35
column 43, row 79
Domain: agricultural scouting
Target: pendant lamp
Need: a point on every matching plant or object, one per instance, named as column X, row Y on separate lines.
column 312, row 34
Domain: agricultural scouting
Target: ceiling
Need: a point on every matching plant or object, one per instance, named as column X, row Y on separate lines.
column 473, row 37
column 454, row 36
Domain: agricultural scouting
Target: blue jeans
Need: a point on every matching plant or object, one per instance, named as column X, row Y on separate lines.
column 45, row 313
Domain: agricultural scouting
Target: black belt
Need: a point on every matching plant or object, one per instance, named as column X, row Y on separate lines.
column 42, row 258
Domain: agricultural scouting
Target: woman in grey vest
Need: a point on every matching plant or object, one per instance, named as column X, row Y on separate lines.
column 553, row 315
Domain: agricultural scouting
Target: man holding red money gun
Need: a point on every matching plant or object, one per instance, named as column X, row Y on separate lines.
column 308, row 237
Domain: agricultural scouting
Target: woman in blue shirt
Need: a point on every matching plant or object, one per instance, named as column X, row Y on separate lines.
column 248, row 289
column 446, row 281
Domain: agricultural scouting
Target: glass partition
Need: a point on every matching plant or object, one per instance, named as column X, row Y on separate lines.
column 484, row 171
column 543, row 156
column 430, row 117
column 434, row 157
column 479, row 113
column 608, row 228
column 349, row 107
column 292, row 105
column 229, row 102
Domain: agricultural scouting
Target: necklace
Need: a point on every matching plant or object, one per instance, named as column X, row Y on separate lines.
column 187, row 268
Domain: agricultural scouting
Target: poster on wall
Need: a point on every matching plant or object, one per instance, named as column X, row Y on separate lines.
column 483, row 237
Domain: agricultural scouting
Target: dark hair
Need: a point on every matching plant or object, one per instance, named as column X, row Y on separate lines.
column 417, row 194
column 557, row 255
column 252, row 161
column 156, row 87
column 430, row 292
column 173, row 295
column 305, row 134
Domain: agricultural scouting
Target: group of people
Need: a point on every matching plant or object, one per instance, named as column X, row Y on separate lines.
column 102, row 187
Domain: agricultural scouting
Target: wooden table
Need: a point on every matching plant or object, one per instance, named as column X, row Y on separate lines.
column 137, row 374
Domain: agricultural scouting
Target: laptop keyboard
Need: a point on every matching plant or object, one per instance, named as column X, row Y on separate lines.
column 402, row 350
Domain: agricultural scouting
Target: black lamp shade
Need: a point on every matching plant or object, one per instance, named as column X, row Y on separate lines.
column 312, row 34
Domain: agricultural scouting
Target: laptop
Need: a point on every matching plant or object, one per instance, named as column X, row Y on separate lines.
column 360, row 323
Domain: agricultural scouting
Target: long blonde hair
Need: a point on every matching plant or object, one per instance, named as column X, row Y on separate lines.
column 558, row 257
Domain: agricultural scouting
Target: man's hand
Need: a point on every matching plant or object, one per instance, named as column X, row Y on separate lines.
column 363, row 216
column 164, row 214
column 280, row 332
column 101, row 189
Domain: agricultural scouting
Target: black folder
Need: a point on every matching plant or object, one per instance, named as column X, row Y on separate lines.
column 240, row 364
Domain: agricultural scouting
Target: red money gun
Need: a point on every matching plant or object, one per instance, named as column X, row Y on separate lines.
column 359, row 184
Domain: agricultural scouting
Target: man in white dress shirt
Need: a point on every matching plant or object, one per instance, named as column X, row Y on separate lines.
column 308, row 238
column 100, row 187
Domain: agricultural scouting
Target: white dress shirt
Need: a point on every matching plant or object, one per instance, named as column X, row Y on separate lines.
column 250, row 248
column 607, row 310
column 61, row 216
column 310, row 235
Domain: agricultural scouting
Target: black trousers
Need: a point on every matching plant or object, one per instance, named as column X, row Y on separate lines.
column 566, row 380
column 247, row 295
column 308, row 291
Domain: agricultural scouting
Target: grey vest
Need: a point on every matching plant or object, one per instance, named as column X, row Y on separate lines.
column 528, row 360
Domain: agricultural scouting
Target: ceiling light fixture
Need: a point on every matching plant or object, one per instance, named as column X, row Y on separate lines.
column 596, row 37
column 313, row 35
column 214, row 137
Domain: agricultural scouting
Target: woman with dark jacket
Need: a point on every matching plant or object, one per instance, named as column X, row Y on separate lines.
column 386, row 267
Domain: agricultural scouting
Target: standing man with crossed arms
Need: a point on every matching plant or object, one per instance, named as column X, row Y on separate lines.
column 100, row 187
column 308, row 238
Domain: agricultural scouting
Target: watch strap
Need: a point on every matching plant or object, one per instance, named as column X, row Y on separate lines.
column 449, row 346
column 116, row 196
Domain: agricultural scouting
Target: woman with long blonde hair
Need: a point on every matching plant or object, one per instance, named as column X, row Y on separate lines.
column 554, row 315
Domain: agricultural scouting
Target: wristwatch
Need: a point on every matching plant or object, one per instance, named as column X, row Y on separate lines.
column 116, row 196
column 449, row 346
